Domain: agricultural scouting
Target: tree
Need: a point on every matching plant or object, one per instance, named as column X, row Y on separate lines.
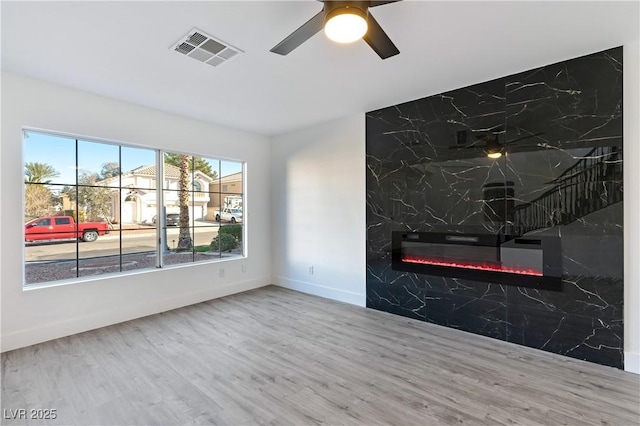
column 184, row 238
column 194, row 163
column 91, row 197
column 37, row 201
column 39, row 172
column 109, row 170
column 187, row 164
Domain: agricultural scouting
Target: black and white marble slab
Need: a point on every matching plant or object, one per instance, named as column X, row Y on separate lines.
column 560, row 129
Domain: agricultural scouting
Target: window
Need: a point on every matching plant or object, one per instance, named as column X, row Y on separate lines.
column 108, row 215
column 205, row 229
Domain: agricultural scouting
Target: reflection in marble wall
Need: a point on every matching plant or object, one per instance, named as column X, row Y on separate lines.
column 560, row 130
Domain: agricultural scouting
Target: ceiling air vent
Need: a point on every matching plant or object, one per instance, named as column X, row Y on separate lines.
column 204, row 48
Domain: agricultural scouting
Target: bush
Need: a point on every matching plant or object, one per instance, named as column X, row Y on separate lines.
column 235, row 230
column 224, row 242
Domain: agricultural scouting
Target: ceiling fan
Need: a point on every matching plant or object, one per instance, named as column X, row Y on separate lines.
column 344, row 22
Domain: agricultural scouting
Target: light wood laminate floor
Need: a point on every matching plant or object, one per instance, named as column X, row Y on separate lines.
column 275, row 356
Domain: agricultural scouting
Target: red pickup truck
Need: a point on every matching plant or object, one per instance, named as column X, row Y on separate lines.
column 63, row 228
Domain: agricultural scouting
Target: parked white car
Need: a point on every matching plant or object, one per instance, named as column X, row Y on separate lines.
column 229, row 215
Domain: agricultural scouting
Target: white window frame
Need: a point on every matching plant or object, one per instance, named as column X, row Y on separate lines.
column 160, row 235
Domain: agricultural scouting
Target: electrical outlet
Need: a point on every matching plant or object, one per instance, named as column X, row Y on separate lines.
column 310, row 270
column 221, row 273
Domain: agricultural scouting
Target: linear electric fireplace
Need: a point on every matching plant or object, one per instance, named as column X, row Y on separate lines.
column 502, row 259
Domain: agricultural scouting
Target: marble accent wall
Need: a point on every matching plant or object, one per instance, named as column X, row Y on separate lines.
column 559, row 128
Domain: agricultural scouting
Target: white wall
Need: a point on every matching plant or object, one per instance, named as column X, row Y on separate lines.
column 318, row 210
column 38, row 315
column 631, row 110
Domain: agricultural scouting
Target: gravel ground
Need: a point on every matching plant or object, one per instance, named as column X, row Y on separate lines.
column 54, row 271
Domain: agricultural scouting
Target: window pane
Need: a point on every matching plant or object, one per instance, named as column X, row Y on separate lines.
column 138, row 249
column 173, row 164
column 98, row 266
column 199, row 206
column 41, row 204
column 172, row 232
column 228, row 242
column 231, row 210
column 203, row 235
column 231, row 177
column 94, row 203
column 179, row 253
column 100, row 256
column 49, row 159
column 172, row 205
column 40, row 200
column 208, row 166
column 98, row 163
column 138, row 207
column 139, row 168
column 50, row 261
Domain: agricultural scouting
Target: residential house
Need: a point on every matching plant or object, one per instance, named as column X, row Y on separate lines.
column 138, row 204
column 225, row 192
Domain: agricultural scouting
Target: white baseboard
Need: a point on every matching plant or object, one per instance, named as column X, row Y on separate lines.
column 70, row 326
column 350, row 297
column 632, row 362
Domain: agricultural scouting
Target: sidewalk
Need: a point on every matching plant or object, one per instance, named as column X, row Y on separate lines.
column 151, row 226
column 133, row 228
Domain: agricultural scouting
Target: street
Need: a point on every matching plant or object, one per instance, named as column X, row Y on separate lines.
column 133, row 241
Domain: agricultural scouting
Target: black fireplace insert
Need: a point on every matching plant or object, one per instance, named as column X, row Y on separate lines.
column 502, row 259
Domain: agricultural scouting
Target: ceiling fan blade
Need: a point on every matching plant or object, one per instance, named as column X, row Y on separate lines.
column 522, row 138
column 379, row 40
column 381, row 2
column 302, row 34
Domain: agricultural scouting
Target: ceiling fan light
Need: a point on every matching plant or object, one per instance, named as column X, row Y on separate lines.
column 346, row 24
column 494, row 154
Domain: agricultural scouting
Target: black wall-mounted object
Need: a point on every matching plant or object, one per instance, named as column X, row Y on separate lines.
column 560, row 175
column 533, row 262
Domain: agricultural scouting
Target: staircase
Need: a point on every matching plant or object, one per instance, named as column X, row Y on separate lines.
column 591, row 184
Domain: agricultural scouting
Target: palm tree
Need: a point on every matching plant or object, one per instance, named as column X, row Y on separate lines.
column 196, row 163
column 184, row 238
column 39, row 172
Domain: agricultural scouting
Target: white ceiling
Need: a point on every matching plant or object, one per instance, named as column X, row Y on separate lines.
column 121, row 50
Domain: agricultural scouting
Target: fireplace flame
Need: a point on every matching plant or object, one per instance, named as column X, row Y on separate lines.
column 480, row 267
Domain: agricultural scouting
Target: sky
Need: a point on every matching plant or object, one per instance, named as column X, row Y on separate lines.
column 60, row 153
